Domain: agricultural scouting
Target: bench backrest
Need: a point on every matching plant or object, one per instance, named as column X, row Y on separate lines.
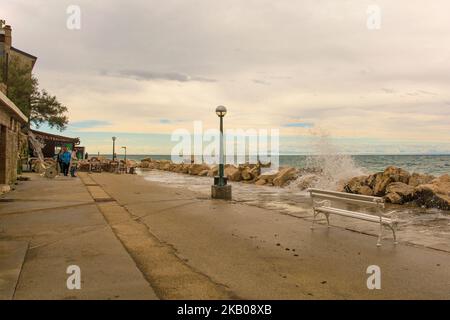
column 347, row 197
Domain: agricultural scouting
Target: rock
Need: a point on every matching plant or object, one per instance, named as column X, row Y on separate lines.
column 268, row 177
column 195, row 168
column 397, row 174
column 399, row 193
column 435, row 194
column 366, row 191
column 4, row 188
column 165, row 166
column 260, row 182
column 246, row 174
column 393, row 198
column 418, row 179
column 184, row 168
column 381, row 183
column 255, row 171
column 213, row 171
column 307, row 181
column 203, row 173
column 247, row 165
column 144, row 164
column 356, row 184
column 264, row 165
column 372, row 179
column 233, row 173
column 284, row 176
column 146, row 160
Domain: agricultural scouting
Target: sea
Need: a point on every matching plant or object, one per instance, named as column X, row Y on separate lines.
column 430, row 164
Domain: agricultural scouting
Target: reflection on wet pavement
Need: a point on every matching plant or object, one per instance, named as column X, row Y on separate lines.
column 419, row 226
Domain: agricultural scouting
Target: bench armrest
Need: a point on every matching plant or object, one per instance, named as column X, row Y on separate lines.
column 322, row 203
column 393, row 215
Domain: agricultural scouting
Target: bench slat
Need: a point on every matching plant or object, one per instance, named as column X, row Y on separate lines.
column 357, row 215
column 345, row 195
column 348, row 200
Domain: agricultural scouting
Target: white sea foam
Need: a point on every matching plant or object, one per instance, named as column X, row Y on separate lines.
column 330, row 167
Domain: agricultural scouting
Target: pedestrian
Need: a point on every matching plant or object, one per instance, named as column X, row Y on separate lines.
column 73, row 164
column 59, row 163
column 65, row 157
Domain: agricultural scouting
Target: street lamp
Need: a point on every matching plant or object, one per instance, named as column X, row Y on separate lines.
column 220, row 189
column 114, row 148
column 221, row 111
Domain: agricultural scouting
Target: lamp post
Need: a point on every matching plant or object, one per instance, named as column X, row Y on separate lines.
column 220, row 189
column 221, row 111
column 114, row 148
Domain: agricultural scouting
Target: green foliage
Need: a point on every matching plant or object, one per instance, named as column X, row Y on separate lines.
column 45, row 108
column 38, row 105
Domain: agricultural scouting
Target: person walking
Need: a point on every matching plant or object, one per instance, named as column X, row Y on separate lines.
column 65, row 158
column 59, row 165
column 73, row 164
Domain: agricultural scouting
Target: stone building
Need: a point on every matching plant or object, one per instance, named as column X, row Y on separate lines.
column 8, row 54
column 12, row 121
column 12, row 139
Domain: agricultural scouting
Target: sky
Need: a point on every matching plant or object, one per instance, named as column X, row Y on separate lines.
column 373, row 81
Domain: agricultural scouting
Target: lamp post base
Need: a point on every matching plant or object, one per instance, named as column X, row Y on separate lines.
column 221, row 192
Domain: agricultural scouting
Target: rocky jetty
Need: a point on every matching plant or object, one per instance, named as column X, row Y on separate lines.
column 398, row 186
column 246, row 173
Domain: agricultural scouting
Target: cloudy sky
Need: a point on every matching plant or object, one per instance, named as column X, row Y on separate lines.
column 141, row 69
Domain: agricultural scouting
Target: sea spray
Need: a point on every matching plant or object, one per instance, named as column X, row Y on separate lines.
column 327, row 168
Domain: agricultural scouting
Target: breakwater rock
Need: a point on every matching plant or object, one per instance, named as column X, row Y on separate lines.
column 246, row 173
column 398, row 186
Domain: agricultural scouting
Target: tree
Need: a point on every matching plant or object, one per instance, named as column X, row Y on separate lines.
column 38, row 105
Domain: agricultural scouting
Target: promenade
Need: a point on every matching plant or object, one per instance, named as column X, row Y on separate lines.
column 137, row 239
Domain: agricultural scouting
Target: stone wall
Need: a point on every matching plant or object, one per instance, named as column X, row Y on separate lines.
column 10, row 138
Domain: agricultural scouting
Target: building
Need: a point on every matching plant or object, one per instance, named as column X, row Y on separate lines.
column 9, row 54
column 13, row 141
column 53, row 143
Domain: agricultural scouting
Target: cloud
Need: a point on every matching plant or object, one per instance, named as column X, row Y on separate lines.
column 299, row 125
column 155, row 76
column 88, row 124
column 178, row 59
column 257, row 81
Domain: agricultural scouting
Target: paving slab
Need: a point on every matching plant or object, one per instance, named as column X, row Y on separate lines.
column 61, row 223
column 12, row 256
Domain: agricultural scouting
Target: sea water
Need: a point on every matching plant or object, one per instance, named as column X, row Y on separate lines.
column 431, row 164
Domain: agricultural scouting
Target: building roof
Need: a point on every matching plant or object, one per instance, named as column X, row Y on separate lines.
column 30, row 56
column 55, row 137
column 12, row 108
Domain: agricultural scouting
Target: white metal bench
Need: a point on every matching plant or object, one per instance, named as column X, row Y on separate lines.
column 322, row 201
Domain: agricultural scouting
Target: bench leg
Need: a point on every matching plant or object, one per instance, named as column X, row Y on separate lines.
column 328, row 219
column 380, row 235
column 314, row 219
column 394, row 229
